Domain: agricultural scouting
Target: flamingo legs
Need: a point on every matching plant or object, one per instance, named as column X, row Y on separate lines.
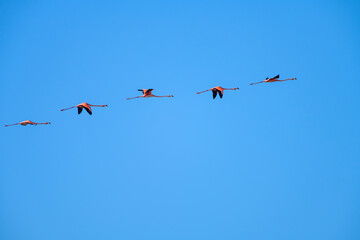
column 256, row 83
column 203, row 91
column 134, row 97
column 11, row 125
column 68, row 108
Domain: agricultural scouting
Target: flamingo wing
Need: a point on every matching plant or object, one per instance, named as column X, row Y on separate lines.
column 88, row 110
column 276, row 77
column 79, row 109
column 214, row 93
column 149, row 90
column 141, row 90
column 220, row 93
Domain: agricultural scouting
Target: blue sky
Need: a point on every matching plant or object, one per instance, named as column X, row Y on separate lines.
column 270, row 161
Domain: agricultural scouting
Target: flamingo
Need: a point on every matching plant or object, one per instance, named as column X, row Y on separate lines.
column 147, row 93
column 217, row 90
column 274, row 79
column 24, row 123
column 85, row 106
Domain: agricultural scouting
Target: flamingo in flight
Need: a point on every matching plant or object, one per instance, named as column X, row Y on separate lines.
column 217, row 90
column 274, row 79
column 24, row 123
column 147, row 93
column 85, row 106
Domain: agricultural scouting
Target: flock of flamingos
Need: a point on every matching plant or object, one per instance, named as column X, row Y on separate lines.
column 146, row 94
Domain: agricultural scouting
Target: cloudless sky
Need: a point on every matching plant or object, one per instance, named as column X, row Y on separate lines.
column 270, row 161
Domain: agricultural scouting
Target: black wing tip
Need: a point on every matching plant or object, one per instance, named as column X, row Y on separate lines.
column 214, row 93
column 88, row 111
column 220, row 94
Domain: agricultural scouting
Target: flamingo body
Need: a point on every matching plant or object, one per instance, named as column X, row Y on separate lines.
column 27, row 122
column 147, row 93
column 218, row 90
column 85, row 106
column 273, row 79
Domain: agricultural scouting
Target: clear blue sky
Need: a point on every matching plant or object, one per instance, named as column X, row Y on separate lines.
column 272, row 161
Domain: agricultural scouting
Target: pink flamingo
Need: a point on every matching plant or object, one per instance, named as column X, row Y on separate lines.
column 27, row 122
column 85, row 106
column 147, row 93
column 274, row 79
column 217, row 90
